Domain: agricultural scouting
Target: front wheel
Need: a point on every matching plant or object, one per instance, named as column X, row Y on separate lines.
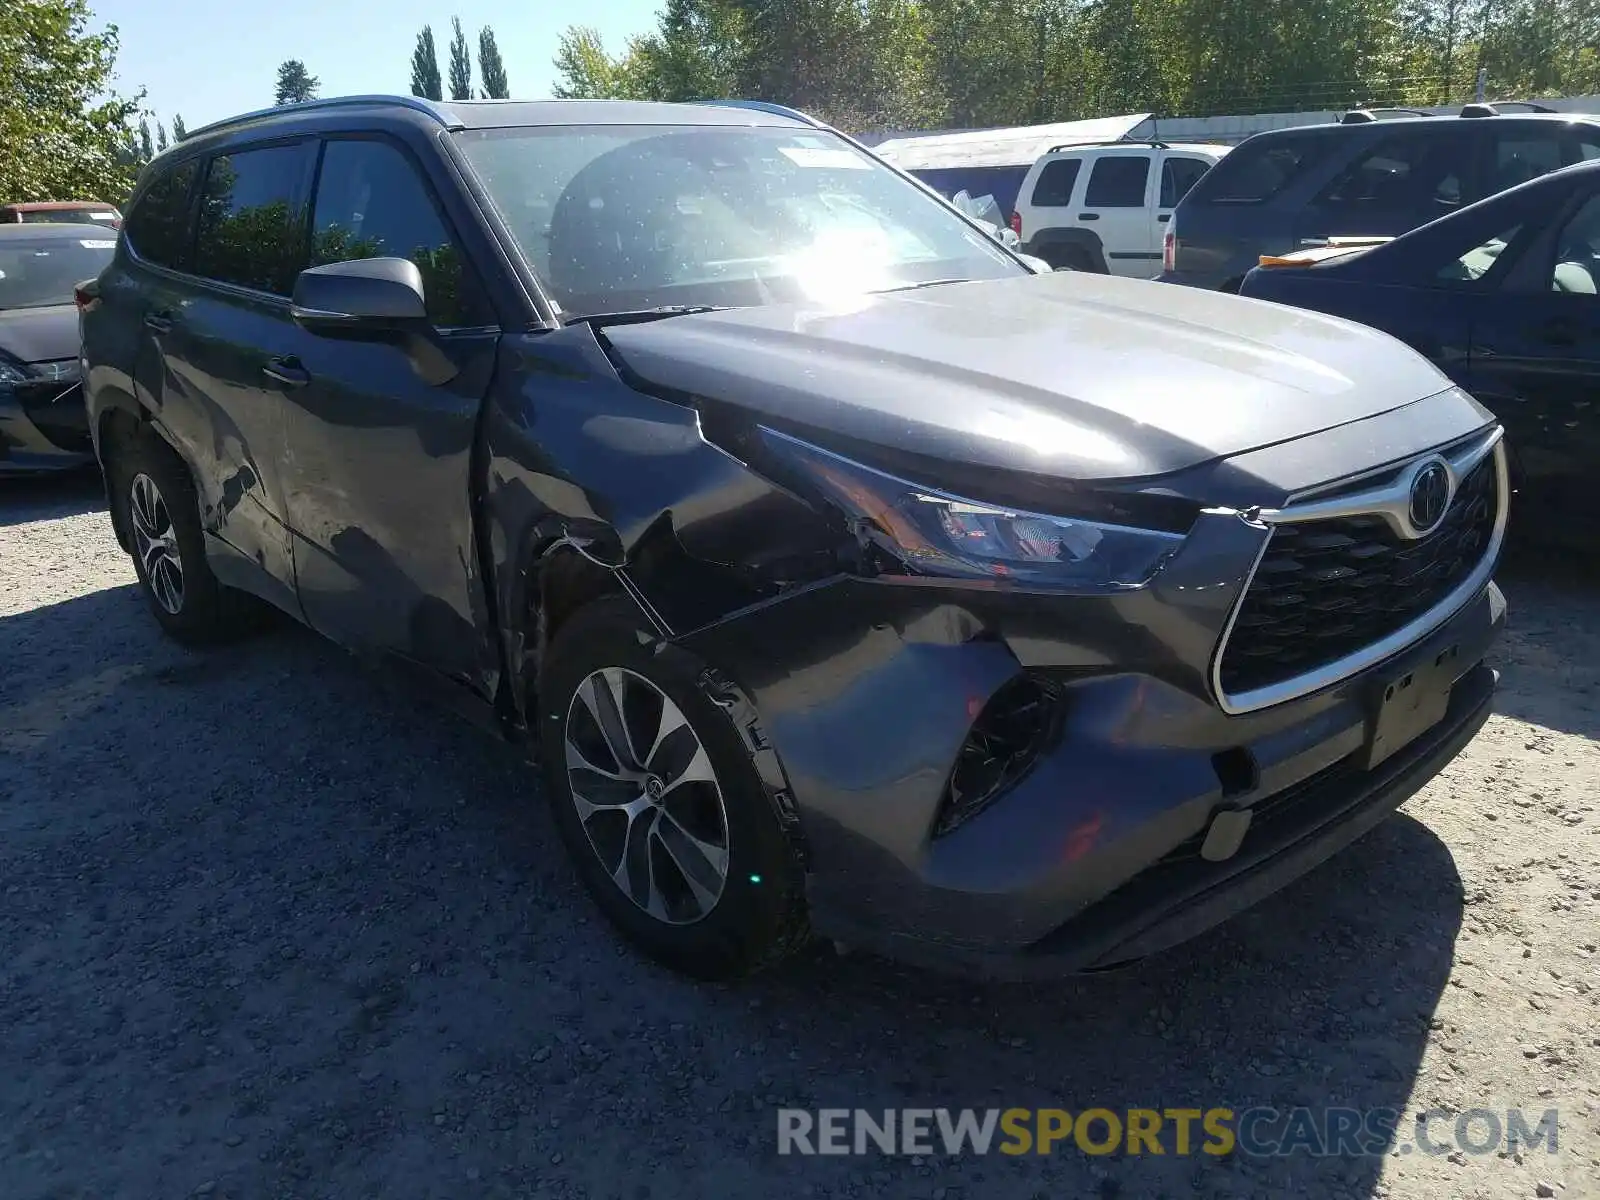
column 658, row 802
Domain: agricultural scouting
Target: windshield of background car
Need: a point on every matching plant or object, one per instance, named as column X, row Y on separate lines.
column 36, row 271
column 68, row 216
column 618, row 218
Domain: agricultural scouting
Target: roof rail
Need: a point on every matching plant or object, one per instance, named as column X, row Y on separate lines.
column 1365, row 116
column 1493, row 110
column 766, row 106
column 1111, row 142
column 415, row 103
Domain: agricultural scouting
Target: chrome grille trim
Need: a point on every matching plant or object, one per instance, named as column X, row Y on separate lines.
column 1374, row 502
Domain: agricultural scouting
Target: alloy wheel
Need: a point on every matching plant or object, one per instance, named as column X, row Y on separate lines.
column 156, row 542
column 647, row 796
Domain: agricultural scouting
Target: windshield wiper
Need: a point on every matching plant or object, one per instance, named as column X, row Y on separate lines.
column 636, row 315
column 911, row 287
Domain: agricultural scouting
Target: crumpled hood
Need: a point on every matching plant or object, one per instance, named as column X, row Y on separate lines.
column 39, row 334
column 1069, row 374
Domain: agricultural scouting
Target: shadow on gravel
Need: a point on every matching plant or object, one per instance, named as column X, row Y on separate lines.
column 50, row 497
column 270, row 928
column 1550, row 659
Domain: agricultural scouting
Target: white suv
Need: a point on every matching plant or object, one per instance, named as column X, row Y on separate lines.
column 1104, row 207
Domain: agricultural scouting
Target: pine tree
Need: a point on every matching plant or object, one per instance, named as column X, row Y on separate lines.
column 147, row 146
column 161, row 137
column 179, row 132
column 460, row 64
column 295, row 84
column 491, row 67
column 425, row 80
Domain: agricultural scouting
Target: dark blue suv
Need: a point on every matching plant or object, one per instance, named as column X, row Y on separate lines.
column 1291, row 188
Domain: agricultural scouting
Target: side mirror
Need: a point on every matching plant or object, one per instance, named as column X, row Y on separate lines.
column 360, row 295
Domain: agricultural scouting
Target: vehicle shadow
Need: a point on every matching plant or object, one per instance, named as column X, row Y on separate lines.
column 330, row 938
column 50, row 497
column 1549, row 660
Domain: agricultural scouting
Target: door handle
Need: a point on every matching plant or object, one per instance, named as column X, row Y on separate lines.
column 1088, row 216
column 287, row 371
column 159, row 322
column 1163, row 218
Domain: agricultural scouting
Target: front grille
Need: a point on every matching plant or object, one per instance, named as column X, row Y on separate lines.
column 1329, row 588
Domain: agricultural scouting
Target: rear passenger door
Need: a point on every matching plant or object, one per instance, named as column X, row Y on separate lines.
column 222, row 329
column 1179, row 173
column 1118, row 203
column 379, row 459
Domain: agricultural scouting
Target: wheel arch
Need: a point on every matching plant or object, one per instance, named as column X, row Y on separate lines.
column 1048, row 240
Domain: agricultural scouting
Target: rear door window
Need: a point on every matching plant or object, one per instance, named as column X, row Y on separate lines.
column 1261, row 168
column 1117, row 181
column 1053, row 188
column 251, row 230
column 1421, row 173
column 158, row 227
column 1524, row 153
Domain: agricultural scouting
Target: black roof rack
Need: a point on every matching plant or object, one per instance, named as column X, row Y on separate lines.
column 1493, row 110
column 416, row 103
column 1365, row 116
column 1112, row 142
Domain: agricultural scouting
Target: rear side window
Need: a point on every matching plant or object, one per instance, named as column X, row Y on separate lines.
column 1178, row 175
column 1423, row 172
column 1521, row 154
column 158, row 226
column 1117, row 181
column 1261, row 168
column 252, row 218
column 1053, row 188
column 371, row 203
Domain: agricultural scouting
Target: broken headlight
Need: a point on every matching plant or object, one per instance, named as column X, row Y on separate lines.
column 936, row 533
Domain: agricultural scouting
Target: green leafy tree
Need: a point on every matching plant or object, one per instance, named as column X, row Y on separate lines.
column 63, row 129
column 179, row 132
column 161, row 137
column 295, row 84
column 584, row 70
column 460, row 64
column 425, row 80
column 491, row 68
column 147, row 146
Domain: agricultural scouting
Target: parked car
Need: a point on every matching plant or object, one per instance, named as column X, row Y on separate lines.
column 1291, row 188
column 42, row 421
column 59, row 212
column 1505, row 297
column 843, row 573
column 1105, row 207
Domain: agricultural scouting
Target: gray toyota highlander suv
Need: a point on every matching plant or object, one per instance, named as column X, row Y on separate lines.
column 843, row 574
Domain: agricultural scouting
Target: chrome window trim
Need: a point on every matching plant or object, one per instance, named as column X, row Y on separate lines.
column 1378, row 501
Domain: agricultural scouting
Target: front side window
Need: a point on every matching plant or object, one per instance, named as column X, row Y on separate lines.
column 37, row 271
column 614, row 218
column 250, row 228
column 1117, row 181
column 1577, row 253
column 1178, row 175
column 158, row 226
column 1055, row 183
column 371, row 204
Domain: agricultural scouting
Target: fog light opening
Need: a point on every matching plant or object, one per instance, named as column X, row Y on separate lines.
column 1002, row 746
column 1236, row 770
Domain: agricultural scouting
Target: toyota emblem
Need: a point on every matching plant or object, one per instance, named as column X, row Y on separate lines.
column 1430, row 497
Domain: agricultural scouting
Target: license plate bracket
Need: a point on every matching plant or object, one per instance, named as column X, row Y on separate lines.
column 1406, row 704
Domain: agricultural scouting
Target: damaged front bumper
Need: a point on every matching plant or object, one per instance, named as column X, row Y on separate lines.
column 1098, row 853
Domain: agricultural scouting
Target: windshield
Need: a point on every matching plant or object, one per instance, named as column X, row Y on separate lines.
column 620, row 218
column 68, row 216
column 36, row 271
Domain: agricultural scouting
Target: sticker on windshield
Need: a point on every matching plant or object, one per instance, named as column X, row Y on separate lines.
column 97, row 244
column 824, row 157
column 102, row 216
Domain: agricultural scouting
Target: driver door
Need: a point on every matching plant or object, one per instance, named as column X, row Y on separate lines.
column 378, row 462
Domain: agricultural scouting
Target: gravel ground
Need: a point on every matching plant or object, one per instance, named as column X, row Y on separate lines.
column 269, row 928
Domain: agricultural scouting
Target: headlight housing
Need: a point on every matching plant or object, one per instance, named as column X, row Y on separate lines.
column 11, row 371
column 936, row 533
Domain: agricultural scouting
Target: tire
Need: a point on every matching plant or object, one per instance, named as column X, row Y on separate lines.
column 156, row 498
column 684, row 855
column 1073, row 258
